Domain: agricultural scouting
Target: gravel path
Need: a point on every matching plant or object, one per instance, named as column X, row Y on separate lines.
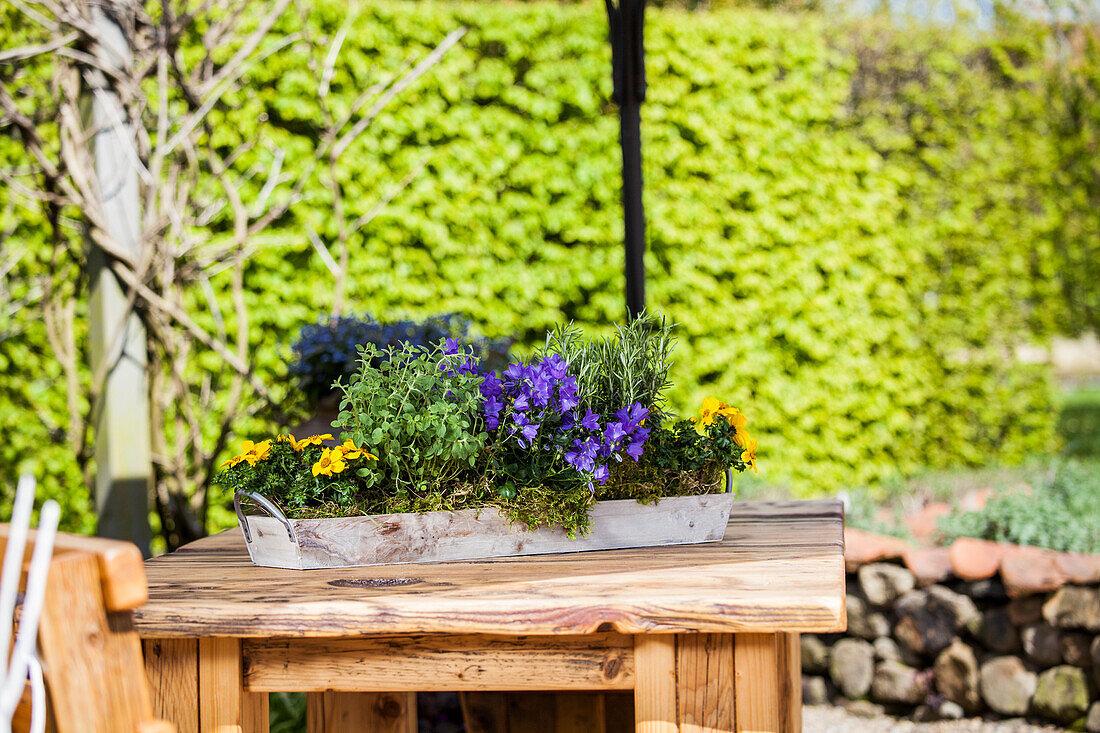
column 829, row 719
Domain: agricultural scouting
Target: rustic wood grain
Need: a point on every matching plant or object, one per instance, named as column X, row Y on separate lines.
column 704, row 682
column 155, row 726
column 779, row 568
column 121, row 567
column 789, row 655
column 224, row 706
column 768, row 697
column 392, row 664
column 92, row 660
column 360, row 712
column 172, row 666
column 655, row 705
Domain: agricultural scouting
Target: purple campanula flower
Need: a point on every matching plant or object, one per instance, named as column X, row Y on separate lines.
column 556, row 366
column 591, row 421
column 522, row 403
column 601, row 475
column 450, row 346
column 567, row 398
column 515, row 372
column 542, row 388
column 614, row 432
column 634, row 449
column 568, row 420
column 490, row 385
column 638, row 413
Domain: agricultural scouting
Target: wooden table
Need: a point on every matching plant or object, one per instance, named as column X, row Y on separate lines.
column 706, row 636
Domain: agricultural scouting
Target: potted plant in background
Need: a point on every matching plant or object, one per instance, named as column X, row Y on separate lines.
column 439, row 458
column 327, row 351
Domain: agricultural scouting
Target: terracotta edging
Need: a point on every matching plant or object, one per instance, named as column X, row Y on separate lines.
column 1024, row 570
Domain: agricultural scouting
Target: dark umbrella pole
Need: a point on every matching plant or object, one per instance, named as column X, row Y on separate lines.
column 626, row 22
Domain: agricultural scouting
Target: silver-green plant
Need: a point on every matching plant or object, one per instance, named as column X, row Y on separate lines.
column 628, row 367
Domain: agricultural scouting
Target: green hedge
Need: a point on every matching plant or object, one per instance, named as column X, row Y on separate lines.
column 850, row 260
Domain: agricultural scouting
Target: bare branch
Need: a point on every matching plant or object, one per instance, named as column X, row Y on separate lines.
column 26, row 52
column 417, row 71
column 323, row 252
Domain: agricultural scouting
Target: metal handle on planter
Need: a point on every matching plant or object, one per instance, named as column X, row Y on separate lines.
column 268, row 506
column 729, row 481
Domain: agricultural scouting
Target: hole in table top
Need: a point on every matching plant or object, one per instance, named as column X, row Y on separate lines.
column 373, row 582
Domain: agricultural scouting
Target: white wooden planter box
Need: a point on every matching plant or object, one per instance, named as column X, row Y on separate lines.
column 384, row 539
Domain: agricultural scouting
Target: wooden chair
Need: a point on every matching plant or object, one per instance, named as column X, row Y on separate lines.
column 90, row 655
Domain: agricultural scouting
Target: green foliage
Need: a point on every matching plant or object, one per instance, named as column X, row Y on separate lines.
column 1073, row 102
column 1079, row 423
column 852, row 224
column 421, row 417
column 1059, row 514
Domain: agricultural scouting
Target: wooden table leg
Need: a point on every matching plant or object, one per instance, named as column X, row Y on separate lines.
column 655, row 684
column 768, row 682
column 361, row 712
column 224, row 705
column 717, row 683
column 172, row 666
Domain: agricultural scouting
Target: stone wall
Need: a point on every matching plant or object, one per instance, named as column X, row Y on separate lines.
column 935, row 645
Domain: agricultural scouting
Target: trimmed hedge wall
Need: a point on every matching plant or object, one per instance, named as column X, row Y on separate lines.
column 850, row 260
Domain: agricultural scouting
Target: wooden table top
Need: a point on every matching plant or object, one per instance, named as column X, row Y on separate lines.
column 780, row 567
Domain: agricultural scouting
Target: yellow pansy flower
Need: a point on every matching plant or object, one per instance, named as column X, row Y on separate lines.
column 748, row 455
column 232, row 461
column 330, row 462
column 707, row 410
column 350, row 452
column 734, row 417
column 256, row 451
column 312, row 440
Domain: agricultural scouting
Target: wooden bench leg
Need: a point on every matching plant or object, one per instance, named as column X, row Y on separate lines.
column 224, row 705
column 361, row 712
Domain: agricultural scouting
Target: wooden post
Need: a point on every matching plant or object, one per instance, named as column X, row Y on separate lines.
column 122, row 443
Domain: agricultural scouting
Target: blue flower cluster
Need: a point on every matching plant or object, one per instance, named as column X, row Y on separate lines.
column 537, row 391
column 624, row 434
column 537, row 404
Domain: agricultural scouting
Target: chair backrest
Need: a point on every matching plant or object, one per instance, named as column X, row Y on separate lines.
column 90, row 654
